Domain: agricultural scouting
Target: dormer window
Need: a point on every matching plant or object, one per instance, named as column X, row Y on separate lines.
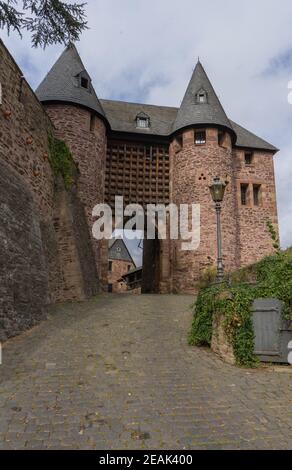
column 142, row 121
column 201, row 97
column 84, row 82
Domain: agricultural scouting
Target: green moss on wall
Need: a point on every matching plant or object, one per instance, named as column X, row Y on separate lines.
column 61, row 160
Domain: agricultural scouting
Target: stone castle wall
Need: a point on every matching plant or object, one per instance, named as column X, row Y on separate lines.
column 79, row 279
column 244, row 227
column 254, row 239
column 85, row 134
column 44, row 255
column 23, row 269
column 24, row 128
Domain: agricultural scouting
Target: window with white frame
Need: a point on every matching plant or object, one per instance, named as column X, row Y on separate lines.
column 201, row 97
column 142, row 121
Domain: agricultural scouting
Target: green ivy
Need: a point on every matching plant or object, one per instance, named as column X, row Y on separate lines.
column 201, row 332
column 61, row 160
column 274, row 236
column 270, row 278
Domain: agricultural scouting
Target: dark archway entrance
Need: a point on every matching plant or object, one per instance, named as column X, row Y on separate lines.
column 151, row 267
column 138, row 168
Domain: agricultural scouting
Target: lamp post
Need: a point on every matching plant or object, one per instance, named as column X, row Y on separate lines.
column 217, row 190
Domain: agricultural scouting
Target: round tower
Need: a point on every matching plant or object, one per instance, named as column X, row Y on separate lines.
column 70, row 100
column 201, row 149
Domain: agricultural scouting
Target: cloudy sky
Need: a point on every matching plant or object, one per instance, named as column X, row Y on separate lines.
column 145, row 51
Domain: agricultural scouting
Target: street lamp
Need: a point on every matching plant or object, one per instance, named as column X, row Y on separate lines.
column 217, row 190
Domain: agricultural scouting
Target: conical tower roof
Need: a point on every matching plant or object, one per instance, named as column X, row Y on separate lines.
column 68, row 81
column 201, row 105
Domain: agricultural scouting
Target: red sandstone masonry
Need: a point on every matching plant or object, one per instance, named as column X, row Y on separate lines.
column 67, row 250
column 192, row 170
column 88, row 148
column 119, row 267
column 24, row 128
column 254, row 239
column 244, row 232
column 24, row 133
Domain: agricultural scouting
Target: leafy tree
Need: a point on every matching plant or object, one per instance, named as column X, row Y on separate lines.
column 49, row 21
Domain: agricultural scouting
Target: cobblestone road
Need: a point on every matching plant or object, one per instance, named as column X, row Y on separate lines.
column 116, row 373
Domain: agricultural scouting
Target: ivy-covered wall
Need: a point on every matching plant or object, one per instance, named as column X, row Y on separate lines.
column 270, row 278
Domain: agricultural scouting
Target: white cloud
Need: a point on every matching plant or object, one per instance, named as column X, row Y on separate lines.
column 146, row 51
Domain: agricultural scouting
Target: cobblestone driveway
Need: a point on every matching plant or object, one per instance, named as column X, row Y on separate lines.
column 116, row 373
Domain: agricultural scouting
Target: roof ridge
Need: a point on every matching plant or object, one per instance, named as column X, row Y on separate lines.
column 60, row 84
column 137, row 104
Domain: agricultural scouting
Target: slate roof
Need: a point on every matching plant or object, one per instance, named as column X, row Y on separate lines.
column 132, row 271
column 192, row 112
column 62, row 82
column 246, row 138
column 121, row 117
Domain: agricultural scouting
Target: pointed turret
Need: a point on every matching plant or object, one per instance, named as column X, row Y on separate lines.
column 69, row 82
column 201, row 105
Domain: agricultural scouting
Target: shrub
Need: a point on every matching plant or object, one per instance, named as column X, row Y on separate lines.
column 272, row 278
column 207, row 277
